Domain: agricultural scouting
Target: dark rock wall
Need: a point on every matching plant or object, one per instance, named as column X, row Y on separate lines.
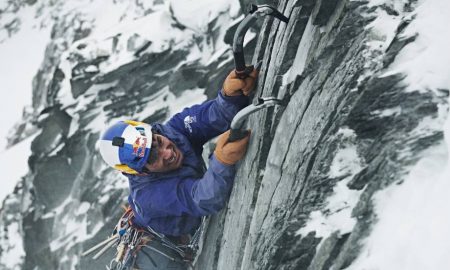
column 334, row 84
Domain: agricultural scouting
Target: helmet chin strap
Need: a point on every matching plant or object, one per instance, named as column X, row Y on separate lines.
column 146, row 171
column 124, row 168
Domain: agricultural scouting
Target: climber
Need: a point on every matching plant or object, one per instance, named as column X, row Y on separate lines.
column 169, row 188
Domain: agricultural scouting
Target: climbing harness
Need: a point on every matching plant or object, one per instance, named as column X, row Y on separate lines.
column 129, row 240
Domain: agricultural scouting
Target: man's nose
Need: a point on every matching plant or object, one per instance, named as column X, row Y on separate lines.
column 166, row 152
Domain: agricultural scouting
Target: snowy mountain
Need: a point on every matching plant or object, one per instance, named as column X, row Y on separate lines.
column 103, row 62
column 352, row 174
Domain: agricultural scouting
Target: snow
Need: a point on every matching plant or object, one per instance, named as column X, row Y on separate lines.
column 14, row 253
column 14, row 164
column 75, row 226
column 426, row 60
column 336, row 215
column 119, row 41
column 123, row 20
column 159, row 100
column 83, row 208
column 19, row 63
column 383, row 30
column 118, row 29
column 91, row 68
column 412, row 230
column 196, row 14
column 136, row 31
column 387, row 112
column 56, row 148
column 104, row 199
column 188, row 98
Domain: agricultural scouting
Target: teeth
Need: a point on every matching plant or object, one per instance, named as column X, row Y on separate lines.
column 174, row 156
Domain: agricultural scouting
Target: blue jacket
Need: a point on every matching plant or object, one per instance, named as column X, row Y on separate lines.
column 173, row 202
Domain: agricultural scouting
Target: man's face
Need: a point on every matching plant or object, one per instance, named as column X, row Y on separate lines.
column 167, row 156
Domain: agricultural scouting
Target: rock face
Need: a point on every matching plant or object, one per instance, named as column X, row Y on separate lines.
column 322, row 65
column 344, row 127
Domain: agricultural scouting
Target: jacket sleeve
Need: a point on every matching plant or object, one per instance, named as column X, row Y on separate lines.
column 195, row 197
column 210, row 194
column 202, row 122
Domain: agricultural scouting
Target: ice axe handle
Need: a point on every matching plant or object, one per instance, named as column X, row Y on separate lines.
column 237, row 134
column 244, row 72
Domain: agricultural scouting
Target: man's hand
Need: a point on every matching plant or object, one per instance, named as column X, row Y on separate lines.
column 230, row 153
column 233, row 86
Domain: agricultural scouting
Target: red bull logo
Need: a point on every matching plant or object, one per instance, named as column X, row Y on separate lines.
column 139, row 146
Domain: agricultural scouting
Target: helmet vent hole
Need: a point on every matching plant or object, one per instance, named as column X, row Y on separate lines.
column 118, row 141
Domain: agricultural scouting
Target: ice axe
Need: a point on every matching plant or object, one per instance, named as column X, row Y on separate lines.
column 237, row 125
column 254, row 12
column 243, row 71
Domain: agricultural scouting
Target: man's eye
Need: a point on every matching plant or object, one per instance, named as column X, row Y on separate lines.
column 159, row 141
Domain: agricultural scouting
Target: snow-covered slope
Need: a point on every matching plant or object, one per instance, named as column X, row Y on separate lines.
column 103, row 61
column 412, row 230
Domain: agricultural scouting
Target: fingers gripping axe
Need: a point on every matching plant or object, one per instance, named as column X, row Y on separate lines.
column 242, row 70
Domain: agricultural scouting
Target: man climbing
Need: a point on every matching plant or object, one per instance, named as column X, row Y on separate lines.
column 169, row 188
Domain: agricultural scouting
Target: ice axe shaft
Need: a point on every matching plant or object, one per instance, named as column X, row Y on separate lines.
column 254, row 11
column 237, row 125
column 243, row 71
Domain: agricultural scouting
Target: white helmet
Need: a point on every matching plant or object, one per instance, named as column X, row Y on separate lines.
column 126, row 146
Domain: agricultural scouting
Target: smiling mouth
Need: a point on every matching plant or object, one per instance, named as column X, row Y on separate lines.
column 173, row 159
